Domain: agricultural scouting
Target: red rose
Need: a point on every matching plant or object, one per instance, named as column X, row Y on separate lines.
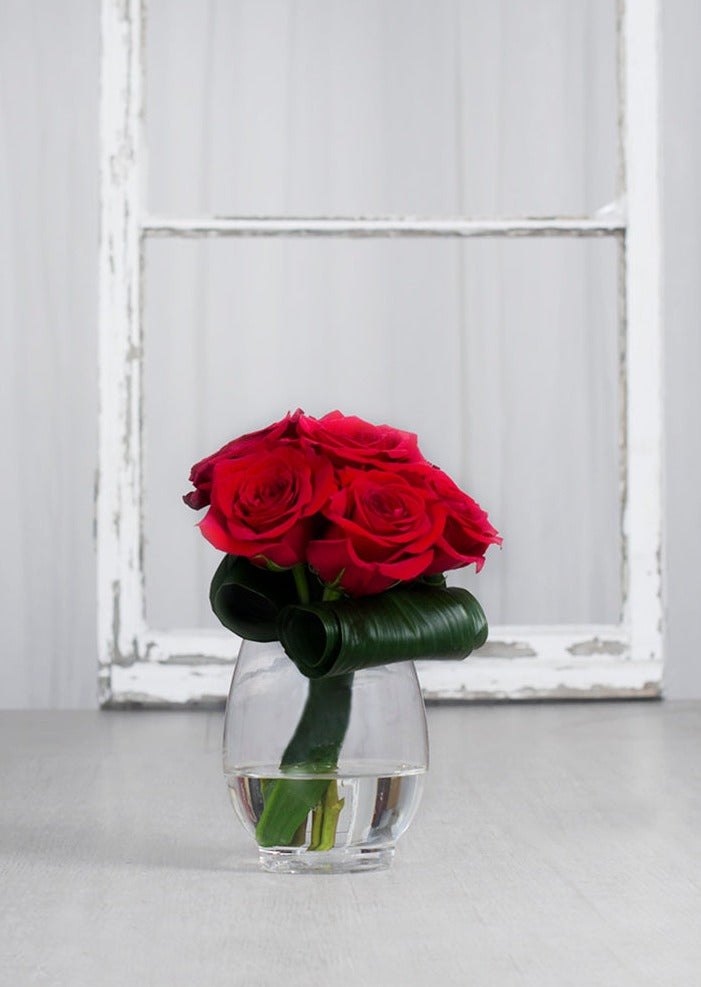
column 382, row 530
column 263, row 504
column 467, row 534
column 265, row 438
column 347, row 439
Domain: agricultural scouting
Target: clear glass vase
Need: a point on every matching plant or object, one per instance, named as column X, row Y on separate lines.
column 324, row 774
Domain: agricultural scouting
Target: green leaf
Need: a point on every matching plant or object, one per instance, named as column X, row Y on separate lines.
column 247, row 598
column 317, row 740
column 410, row 622
column 287, row 806
column 313, row 749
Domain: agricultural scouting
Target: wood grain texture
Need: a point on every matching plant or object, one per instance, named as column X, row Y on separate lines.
column 48, row 311
column 297, row 289
column 372, row 108
column 450, row 110
column 48, row 276
column 431, row 335
column 121, row 527
column 554, row 847
column 120, row 578
column 612, row 221
column 681, row 144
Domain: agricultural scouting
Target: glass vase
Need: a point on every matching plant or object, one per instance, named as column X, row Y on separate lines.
column 325, row 774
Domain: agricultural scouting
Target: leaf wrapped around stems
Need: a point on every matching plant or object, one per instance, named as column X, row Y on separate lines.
column 247, row 599
column 313, row 749
column 409, row 622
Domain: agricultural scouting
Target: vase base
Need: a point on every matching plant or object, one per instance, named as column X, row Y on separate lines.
column 337, row 861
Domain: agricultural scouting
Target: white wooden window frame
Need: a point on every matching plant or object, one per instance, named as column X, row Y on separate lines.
column 139, row 665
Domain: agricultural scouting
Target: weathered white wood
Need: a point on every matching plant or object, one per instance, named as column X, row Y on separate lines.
column 171, row 683
column 173, row 668
column 547, row 643
column 642, row 516
column 189, row 647
column 517, row 663
column 612, row 221
column 47, row 333
column 559, row 677
column 120, row 577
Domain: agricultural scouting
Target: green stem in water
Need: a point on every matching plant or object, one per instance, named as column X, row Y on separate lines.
column 301, row 834
column 288, row 802
column 317, row 819
column 331, row 810
column 325, row 819
column 314, row 748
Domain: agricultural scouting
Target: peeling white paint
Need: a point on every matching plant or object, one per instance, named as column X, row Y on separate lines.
column 597, row 647
column 143, row 666
column 611, row 222
column 163, row 684
column 527, row 679
column 156, row 684
column 642, row 510
column 120, row 576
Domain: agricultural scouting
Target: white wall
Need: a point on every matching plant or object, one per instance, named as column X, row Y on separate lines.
column 48, row 398
column 501, row 355
column 48, row 191
column 682, row 276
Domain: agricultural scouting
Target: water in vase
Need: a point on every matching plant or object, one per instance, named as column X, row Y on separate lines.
column 355, row 825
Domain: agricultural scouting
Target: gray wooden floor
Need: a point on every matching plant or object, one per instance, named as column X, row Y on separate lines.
column 556, row 845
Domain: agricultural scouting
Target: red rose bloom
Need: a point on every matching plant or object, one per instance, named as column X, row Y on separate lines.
column 263, row 504
column 382, row 530
column 347, row 439
column 467, row 534
column 264, row 438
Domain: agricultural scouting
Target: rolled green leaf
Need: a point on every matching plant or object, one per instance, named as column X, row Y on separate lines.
column 318, row 737
column 247, row 598
column 410, row 622
column 313, row 749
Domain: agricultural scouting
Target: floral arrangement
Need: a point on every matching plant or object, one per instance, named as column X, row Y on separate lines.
column 337, row 534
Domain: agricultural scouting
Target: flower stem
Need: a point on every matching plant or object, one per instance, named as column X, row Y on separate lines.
column 316, row 743
column 325, row 819
column 317, row 819
column 332, row 806
column 300, row 575
column 330, row 594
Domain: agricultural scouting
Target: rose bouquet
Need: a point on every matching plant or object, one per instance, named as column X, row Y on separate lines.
column 336, row 536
